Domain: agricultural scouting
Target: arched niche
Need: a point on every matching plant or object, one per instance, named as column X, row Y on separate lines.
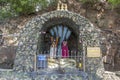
column 30, row 35
column 44, row 38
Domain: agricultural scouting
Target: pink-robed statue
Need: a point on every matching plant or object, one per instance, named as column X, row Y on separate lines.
column 65, row 53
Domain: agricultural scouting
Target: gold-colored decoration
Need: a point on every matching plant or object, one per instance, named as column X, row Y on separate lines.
column 65, row 7
column 62, row 6
column 80, row 65
column 58, row 7
column 93, row 52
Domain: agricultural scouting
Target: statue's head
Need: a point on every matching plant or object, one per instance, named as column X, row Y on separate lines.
column 64, row 43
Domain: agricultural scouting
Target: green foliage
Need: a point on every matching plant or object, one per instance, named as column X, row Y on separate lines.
column 4, row 9
column 3, row 1
column 91, row 1
column 4, row 14
column 114, row 3
column 10, row 8
column 26, row 6
column 21, row 7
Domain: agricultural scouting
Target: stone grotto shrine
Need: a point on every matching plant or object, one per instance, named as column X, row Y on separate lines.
column 33, row 60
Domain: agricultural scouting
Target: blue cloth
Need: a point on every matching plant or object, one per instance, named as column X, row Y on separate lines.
column 41, row 57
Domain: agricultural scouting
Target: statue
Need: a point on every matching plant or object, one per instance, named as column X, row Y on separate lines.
column 62, row 6
column 65, row 53
column 53, row 47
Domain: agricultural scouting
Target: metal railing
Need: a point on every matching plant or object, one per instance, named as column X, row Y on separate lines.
column 69, row 66
column 45, row 61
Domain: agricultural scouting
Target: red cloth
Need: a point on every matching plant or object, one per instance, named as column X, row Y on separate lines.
column 65, row 53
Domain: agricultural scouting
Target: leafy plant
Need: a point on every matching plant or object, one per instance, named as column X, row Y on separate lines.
column 26, row 6
column 114, row 3
column 22, row 7
column 91, row 1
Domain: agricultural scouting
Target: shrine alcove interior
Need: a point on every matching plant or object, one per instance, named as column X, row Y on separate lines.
column 61, row 28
